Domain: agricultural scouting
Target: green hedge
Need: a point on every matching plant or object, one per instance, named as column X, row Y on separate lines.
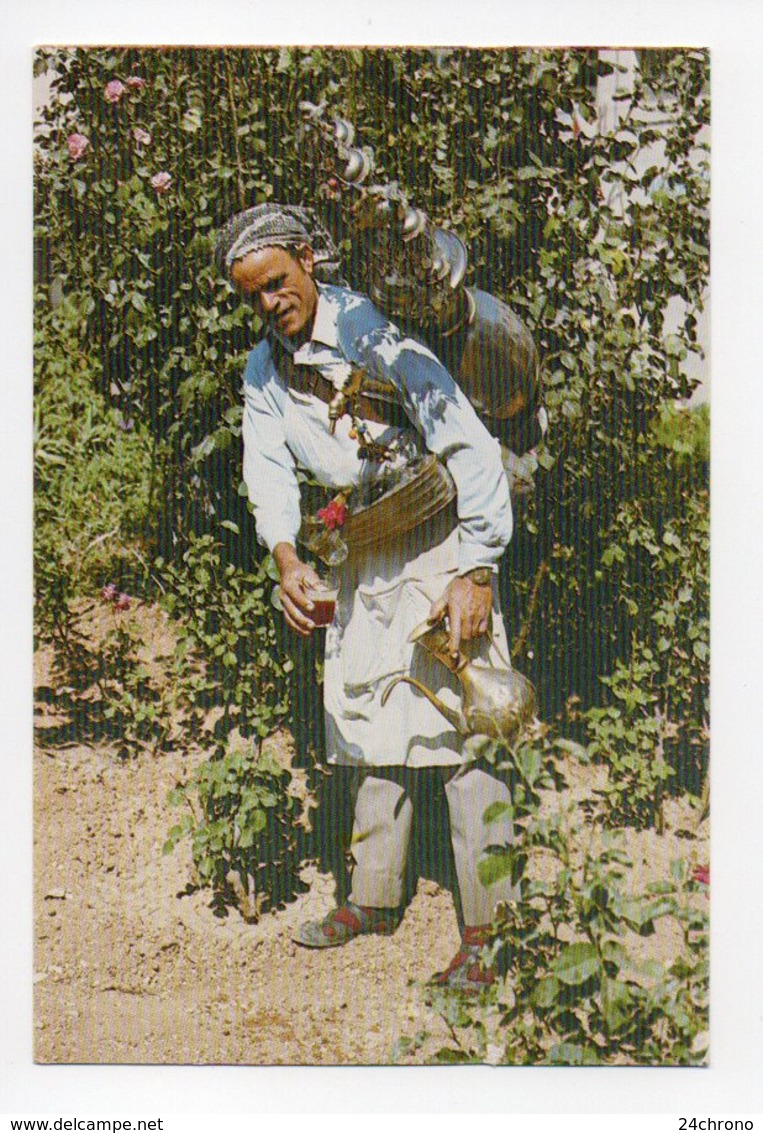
column 501, row 145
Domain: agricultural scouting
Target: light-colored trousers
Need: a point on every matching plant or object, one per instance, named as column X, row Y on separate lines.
column 384, row 806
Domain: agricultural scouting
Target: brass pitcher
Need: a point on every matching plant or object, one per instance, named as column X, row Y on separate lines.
column 499, row 703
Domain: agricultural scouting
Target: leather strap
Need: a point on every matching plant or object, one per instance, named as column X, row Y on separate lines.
column 306, row 379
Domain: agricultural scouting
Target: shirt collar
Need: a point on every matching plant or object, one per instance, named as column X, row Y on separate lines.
column 324, row 327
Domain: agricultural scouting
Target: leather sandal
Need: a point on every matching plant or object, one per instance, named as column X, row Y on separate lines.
column 466, row 972
column 345, row 923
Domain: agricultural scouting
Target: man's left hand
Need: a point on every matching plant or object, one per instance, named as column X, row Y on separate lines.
column 468, row 607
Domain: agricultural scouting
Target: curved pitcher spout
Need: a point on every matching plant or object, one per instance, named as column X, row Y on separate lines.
column 455, row 719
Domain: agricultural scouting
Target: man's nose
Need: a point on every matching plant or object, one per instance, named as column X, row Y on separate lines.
column 269, row 302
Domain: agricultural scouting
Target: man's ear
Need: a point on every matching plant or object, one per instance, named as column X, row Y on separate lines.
column 306, row 258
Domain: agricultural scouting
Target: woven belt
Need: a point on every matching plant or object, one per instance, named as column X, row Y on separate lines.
column 405, row 507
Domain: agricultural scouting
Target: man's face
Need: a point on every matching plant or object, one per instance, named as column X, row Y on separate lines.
column 281, row 287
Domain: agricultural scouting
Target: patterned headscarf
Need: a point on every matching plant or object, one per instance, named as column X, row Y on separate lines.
column 277, row 226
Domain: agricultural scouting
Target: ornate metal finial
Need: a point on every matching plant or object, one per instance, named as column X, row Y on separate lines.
column 415, row 270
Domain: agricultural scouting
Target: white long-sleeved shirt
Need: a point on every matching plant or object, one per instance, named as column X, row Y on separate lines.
column 284, row 428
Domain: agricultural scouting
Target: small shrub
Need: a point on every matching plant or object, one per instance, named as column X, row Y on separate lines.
column 102, row 681
column 228, row 664
column 575, row 990
column 629, row 736
column 240, row 818
column 232, row 683
column 652, row 728
column 93, row 482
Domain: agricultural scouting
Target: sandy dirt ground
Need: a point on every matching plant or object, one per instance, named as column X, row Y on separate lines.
column 132, row 965
column 130, row 968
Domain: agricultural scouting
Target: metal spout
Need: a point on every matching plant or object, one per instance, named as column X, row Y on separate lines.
column 455, row 719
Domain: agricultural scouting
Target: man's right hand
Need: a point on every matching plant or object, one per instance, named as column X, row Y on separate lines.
column 296, row 580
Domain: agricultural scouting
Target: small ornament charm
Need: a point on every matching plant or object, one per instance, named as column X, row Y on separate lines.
column 343, row 400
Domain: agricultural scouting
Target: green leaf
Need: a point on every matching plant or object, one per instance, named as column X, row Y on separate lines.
column 637, row 912
column 496, row 866
column 191, row 120
column 577, row 963
column 529, row 764
column 496, row 811
column 546, row 992
column 258, row 820
column 571, row 1054
column 662, row 907
column 678, row 869
column 246, row 840
column 450, row 1056
column 270, row 568
column 614, row 952
column 578, row 751
column 616, row 1001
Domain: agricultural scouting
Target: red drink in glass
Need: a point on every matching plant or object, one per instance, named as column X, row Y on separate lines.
column 324, row 604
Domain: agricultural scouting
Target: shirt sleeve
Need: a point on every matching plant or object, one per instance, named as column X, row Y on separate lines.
column 269, row 468
column 451, row 430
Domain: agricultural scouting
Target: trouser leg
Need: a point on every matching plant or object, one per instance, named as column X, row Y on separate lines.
column 469, row 793
column 380, row 836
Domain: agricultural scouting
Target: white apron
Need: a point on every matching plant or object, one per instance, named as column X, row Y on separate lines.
column 384, row 594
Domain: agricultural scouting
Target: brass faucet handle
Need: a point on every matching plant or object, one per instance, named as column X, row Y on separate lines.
column 434, row 637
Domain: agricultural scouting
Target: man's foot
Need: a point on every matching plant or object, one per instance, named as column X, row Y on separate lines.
column 344, row 924
column 467, row 971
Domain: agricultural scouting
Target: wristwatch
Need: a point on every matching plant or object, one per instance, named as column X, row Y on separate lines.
column 480, row 576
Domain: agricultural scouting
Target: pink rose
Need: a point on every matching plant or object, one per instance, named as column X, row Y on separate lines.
column 333, row 515
column 122, row 602
column 135, row 81
column 141, row 136
column 114, row 90
column 77, row 144
column 161, row 181
column 109, row 593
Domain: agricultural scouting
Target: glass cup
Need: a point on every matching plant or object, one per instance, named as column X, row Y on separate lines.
column 323, row 596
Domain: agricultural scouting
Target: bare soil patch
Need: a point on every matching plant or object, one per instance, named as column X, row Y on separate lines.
column 132, row 965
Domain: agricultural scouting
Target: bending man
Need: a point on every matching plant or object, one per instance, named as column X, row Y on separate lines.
column 316, row 335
